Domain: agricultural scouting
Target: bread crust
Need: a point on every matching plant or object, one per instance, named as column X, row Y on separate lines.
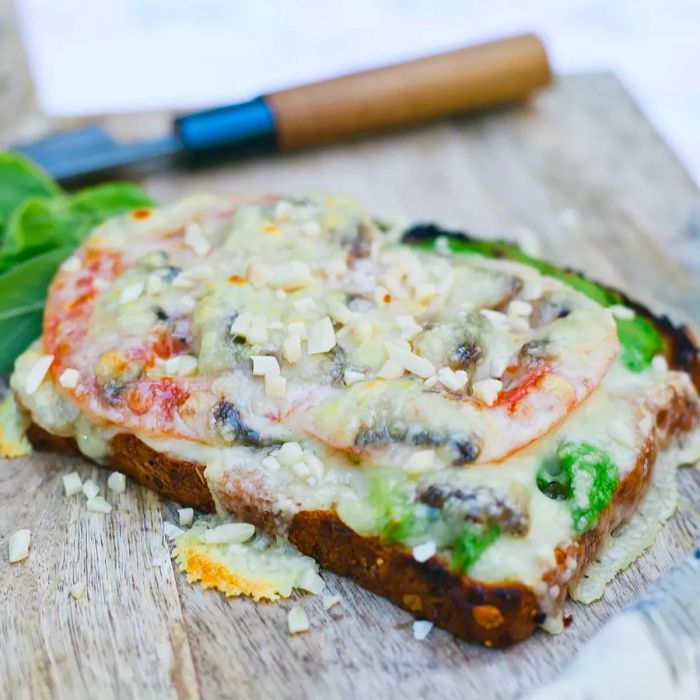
column 493, row 614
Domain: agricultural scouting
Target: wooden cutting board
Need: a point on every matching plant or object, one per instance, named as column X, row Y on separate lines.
column 579, row 168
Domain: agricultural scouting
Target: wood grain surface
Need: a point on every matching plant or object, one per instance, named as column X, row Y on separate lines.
column 581, row 169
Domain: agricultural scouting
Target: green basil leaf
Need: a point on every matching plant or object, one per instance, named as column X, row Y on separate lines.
column 38, row 224
column 471, row 543
column 640, row 342
column 19, row 179
column 35, row 226
column 582, row 474
column 22, row 299
column 111, row 199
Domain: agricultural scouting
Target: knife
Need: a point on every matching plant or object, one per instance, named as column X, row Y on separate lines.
column 475, row 77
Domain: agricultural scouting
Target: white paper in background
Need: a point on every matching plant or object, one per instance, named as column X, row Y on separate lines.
column 99, row 56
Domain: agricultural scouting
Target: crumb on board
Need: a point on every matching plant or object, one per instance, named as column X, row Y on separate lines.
column 297, row 620
column 19, row 545
column 77, row 590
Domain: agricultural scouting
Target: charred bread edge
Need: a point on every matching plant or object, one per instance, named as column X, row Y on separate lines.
column 495, row 615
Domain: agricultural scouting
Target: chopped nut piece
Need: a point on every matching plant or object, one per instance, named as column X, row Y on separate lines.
column 271, row 463
column 409, row 327
column 314, row 464
column 300, row 469
column 659, row 363
column 90, row 489
column 321, row 336
column 340, row 313
column 421, row 629
column 264, row 365
column 311, row 581
column 185, row 516
column 289, row 453
column 423, row 552
column 297, row 620
column 77, row 590
column 362, row 330
column 172, row 531
column 298, row 327
column 292, row 275
column 189, row 278
column 487, row 390
column 430, row 382
column 275, row 386
column 154, row 284
column 257, row 334
column 195, row 239
column 328, row 601
column 304, row 304
column 410, row 361
column 72, row 483
column 230, row 533
column 98, row 505
column 519, row 308
column 454, row 381
column 351, row 377
column 37, row 373
column 131, row 292
column 390, row 370
column 241, row 324
column 251, row 327
column 180, row 365
column 495, row 318
column 116, row 482
column 291, row 348
column 19, row 545
column 421, row 461
column 259, row 274
column 283, row 209
column 69, row 378
column 185, row 304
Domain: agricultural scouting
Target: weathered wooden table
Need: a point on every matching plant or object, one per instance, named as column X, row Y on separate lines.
column 579, row 167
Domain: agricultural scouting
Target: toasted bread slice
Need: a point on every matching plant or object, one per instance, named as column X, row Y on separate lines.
column 464, row 453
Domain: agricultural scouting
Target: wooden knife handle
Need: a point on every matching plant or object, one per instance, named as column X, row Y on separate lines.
column 478, row 76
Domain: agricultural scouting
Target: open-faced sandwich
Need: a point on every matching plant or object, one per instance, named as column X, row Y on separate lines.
column 455, row 425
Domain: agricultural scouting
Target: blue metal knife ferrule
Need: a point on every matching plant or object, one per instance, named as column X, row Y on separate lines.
column 248, row 127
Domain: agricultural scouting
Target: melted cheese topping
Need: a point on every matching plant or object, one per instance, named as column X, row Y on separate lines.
column 301, row 320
